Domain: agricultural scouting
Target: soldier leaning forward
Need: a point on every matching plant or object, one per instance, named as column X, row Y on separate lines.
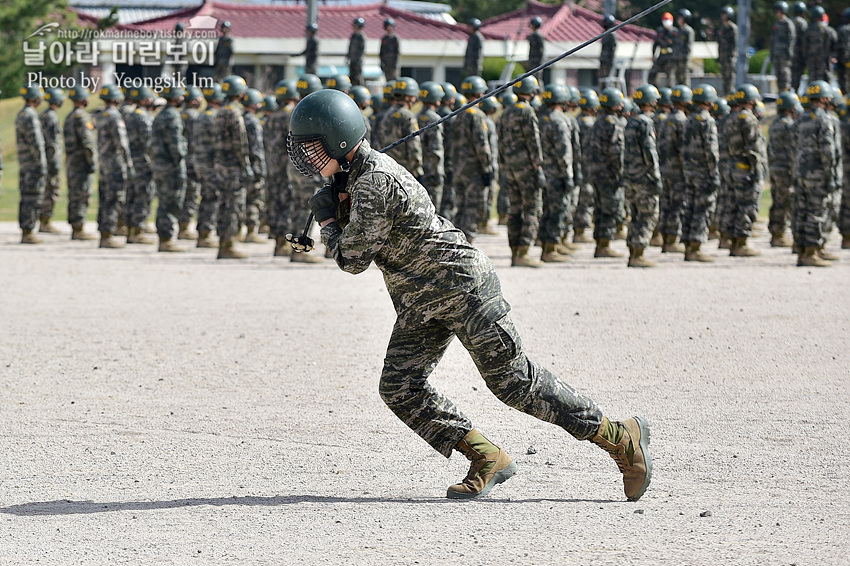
column 169, row 167
column 52, row 132
column 671, row 133
column 607, row 143
column 80, row 161
column 115, row 166
column 140, row 190
column 441, row 287
column 781, row 158
column 32, row 163
column 433, row 150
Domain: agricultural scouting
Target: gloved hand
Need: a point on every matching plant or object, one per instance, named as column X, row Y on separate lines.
column 541, row 178
column 324, row 204
column 486, row 179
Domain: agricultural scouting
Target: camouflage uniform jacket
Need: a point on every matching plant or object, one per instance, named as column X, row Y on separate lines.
column 277, row 130
column 433, row 152
column 493, row 138
column 190, row 119
column 640, row 156
column 684, row 43
column 470, row 146
column 379, row 127
column 556, row 140
column 671, row 134
column 781, row 145
column 816, row 146
column 727, row 41
column 838, row 159
column 356, row 47
column 256, row 150
column 52, row 140
column 223, row 50
column 782, row 40
column 743, row 135
column 801, row 26
column 607, row 143
column 205, row 141
column 112, row 144
column 429, row 268
column 842, row 49
column 397, row 125
column 609, row 48
column 139, row 136
column 231, row 145
column 389, row 52
column 575, row 138
column 519, row 139
column 80, row 138
column 585, row 125
column 311, row 54
column 474, row 58
column 663, row 43
column 535, row 50
column 700, row 150
column 819, row 43
column 170, row 146
column 30, row 140
column 657, row 120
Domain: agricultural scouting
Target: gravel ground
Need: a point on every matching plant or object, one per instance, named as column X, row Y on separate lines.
column 173, row 409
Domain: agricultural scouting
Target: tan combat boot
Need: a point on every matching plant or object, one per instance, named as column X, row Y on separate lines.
column 27, row 237
column 45, row 227
column 487, row 230
column 579, row 237
column 621, row 232
column 808, row 258
column 693, row 253
column 603, row 249
column 169, row 246
column 137, row 236
column 670, row 246
column 305, row 257
column 636, row 258
column 264, row 229
column 780, row 240
column 551, row 255
column 185, row 233
column 657, row 239
column 628, row 444
column 823, row 254
column 121, row 229
column 503, row 220
column 724, row 242
column 845, row 241
column 205, row 240
column 741, row 249
column 79, row 233
column 252, row 237
column 149, row 228
column 567, row 246
column 490, row 465
column 227, row 251
column 522, row 259
column 282, row 248
column 107, row 241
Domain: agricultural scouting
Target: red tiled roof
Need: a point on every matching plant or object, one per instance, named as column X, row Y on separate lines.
column 263, row 20
column 564, row 22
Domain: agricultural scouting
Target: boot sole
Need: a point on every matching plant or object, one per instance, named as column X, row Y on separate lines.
column 502, row 475
column 644, row 446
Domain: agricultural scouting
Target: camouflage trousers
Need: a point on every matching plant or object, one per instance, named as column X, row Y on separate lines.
column 170, row 192
column 664, row 64
column 489, row 199
column 231, row 203
column 471, row 198
column 643, row 205
column 355, row 70
column 140, row 193
column 832, row 206
column 193, row 195
column 503, row 201
column 208, row 207
column 604, row 71
column 557, row 213
column 31, row 183
column 671, row 205
column 608, row 207
column 700, row 199
column 782, row 70
column 278, row 196
column 526, row 206
column 818, row 70
column 727, row 71
column 797, row 69
column 720, row 216
column 301, row 188
column 782, row 193
column 51, row 195
column 680, row 73
column 811, row 202
column 496, row 349
column 842, row 71
column 583, row 216
column 79, row 191
column 255, row 202
column 745, row 192
column 448, row 208
column 112, row 192
column 434, row 185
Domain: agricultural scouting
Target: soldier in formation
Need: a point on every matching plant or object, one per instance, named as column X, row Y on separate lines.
column 223, row 52
column 32, row 163
column 433, row 160
column 115, row 166
column 780, row 154
column 782, row 45
column 279, row 194
column 169, row 167
column 607, row 143
column 52, row 132
column 842, row 51
column 820, row 40
column 190, row 113
column 140, row 190
column 388, row 54
column 311, row 50
column 471, row 159
column 255, row 197
column 204, row 146
column 556, row 141
column 490, row 106
column 801, row 26
column 671, row 134
column 402, row 122
column 447, row 204
column 583, row 217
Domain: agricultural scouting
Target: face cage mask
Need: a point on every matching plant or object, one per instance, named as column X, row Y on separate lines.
column 309, row 154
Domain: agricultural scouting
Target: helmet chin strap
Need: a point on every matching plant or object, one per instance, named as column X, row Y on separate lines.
column 344, row 165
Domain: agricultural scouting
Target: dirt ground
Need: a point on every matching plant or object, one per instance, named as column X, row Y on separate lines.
column 174, row 409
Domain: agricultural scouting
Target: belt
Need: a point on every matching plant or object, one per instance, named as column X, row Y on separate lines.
column 742, row 166
column 666, row 50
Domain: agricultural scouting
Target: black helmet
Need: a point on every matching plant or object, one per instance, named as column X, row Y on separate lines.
column 473, row 85
column 172, row 92
column 389, row 22
column 818, row 13
column 78, row 93
column 685, row 13
column 800, row 8
column 111, row 92
column 475, row 23
column 507, row 98
column 193, row 93
column 451, row 91
column 359, row 22
column 313, row 27
column 252, row 97
column 325, row 125
column 269, row 103
column 360, row 94
column 781, row 6
column 611, row 97
column 179, row 26
column 225, row 24
column 405, row 86
column 608, row 21
column 730, row 13
column 431, row 92
column 536, row 22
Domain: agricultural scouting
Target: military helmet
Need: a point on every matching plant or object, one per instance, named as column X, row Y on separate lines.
column 313, row 27
column 252, row 97
column 489, row 104
column 179, row 26
column 141, row 93
column 787, row 101
column 611, row 97
column 704, row 93
column 528, row 85
column 325, row 125
column 450, row 90
column 460, row 100
column 389, row 22
column 685, row 13
column 308, row 84
column 78, row 93
column 608, row 21
column 360, row 94
column 214, row 93
column 682, row 94
column 225, row 24
column 473, row 84
column 747, row 93
column 665, row 93
column 339, row 82
column 574, row 94
column 819, row 90
column 54, row 96
column 270, row 103
column 800, row 8
column 172, row 92
column 377, row 102
column 535, row 102
column 781, row 6
column 720, row 108
column 728, row 10
column 817, row 13
column 387, row 92
column 646, row 94
column 845, row 15
column 555, row 94
column 233, row 85
column 536, row 22
column 193, row 93
column 805, row 102
column 628, row 105
column 405, row 86
column 359, row 22
column 431, row 92
column 588, row 99
column 286, row 89
column 111, row 92
column 507, row 98
column 475, row 23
